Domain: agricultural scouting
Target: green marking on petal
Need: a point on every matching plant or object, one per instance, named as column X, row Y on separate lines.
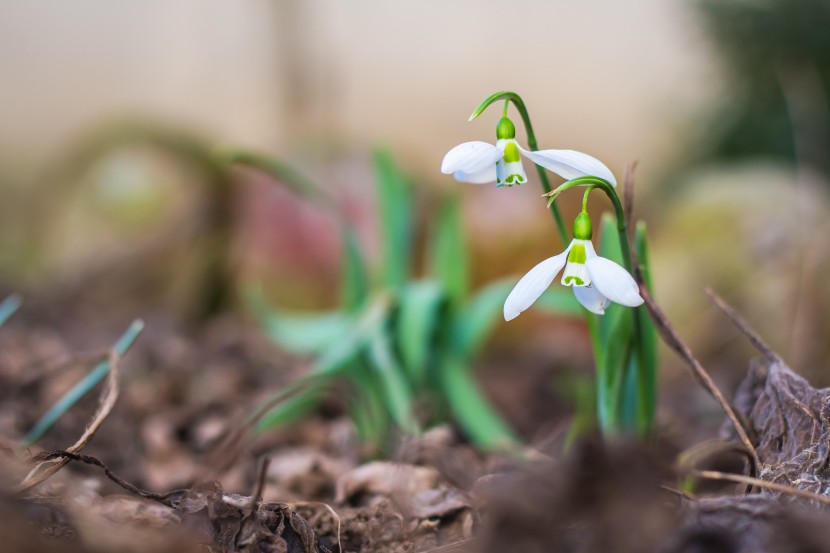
column 511, row 153
column 577, row 254
column 569, row 280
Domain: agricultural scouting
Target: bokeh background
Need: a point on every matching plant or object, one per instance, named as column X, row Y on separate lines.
column 724, row 105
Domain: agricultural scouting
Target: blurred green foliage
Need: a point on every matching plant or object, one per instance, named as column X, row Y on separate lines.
column 777, row 58
column 402, row 345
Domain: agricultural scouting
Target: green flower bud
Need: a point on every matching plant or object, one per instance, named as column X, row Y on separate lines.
column 505, row 129
column 583, row 229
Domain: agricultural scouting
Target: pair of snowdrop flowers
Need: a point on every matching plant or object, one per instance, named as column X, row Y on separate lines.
column 595, row 280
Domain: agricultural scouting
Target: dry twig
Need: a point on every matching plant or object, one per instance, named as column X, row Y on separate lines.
column 109, row 395
column 744, row 327
column 673, row 340
column 773, row 486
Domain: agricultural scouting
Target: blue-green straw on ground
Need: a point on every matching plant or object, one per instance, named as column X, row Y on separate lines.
column 81, row 388
column 9, row 307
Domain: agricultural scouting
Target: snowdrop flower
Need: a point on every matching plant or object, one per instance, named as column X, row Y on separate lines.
column 482, row 163
column 595, row 280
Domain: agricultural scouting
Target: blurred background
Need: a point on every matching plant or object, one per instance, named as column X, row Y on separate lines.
column 106, row 205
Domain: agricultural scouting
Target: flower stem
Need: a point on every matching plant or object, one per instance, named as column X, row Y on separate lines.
column 645, row 417
column 532, row 145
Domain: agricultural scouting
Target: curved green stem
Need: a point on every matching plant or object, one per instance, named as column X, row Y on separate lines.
column 531, row 144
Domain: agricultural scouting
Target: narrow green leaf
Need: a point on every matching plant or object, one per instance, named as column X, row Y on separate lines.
column 647, row 345
column 395, row 390
column 272, row 166
column 366, row 408
column 609, row 241
column 473, row 412
column 9, row 307
column 355, row 274
column 485, row 308
column 294, row 407
column 298, row 333
column 340, row 356
column 395, row 202
column 448, row 254
column 559, row 300
column 611, row 371
column 78, row 391
column 419, row 320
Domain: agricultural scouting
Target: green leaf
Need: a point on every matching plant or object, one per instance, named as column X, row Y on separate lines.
column 293, row 407
column 479, row 315
column 394, row 390
column 78, row 391
column 394, row 200
column 559, row 300
column 616, row 343
column 340, row 356
column 418, row 324
column 9, row 307
column 298, row 333
column 366, row 408
column 273, row 167
column 609, row 240
column 355, row 274
column 473, row 412
column 448, row 254
column 647, row 346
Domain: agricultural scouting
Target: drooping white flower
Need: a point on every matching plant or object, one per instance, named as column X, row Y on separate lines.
column 596, row 281
column 482, row 163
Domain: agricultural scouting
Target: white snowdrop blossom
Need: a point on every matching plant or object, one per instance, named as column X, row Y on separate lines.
column 482, row 163
column 596, row 281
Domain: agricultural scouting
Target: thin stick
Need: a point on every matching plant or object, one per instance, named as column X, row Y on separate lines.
column 256, row 497
column 744, row 327
column 109, row 395
column 673, row 340
column 741, row 479
column 162, row 498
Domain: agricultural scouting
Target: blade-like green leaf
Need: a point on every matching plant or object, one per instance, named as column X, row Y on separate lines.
column 78, row 391
column 478, row 316
column 293, row 407
column 473, row 412
column 611, row 371
column 395, row 390
column 273, row 167
column 298, row 333
column 448, row 254
column 559, row 300
column 647, row 345
column 366, row 408
column 395, row 203
column 9, row 307
column 418, row 324
column 355, row 274
column 485, row 308
column 609, row 239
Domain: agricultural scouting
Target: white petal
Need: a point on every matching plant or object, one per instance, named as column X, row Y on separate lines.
column 570, row 164
column 613, row 282
column 484, row 176
column 531, row 286
column 470, row 157
column 590, row 299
